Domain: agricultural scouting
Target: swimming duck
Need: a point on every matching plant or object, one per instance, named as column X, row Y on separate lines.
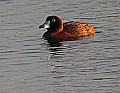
column 57, row 29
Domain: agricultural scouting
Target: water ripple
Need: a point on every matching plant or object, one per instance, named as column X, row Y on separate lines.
column 29, row 63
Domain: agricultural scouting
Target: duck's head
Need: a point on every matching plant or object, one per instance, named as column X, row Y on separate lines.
column 53, row 24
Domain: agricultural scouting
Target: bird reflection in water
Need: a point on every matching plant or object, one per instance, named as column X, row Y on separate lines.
column 53, row 42
column 57, row 42
column 56, row 46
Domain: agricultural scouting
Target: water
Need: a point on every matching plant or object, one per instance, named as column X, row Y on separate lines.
column 29, row 64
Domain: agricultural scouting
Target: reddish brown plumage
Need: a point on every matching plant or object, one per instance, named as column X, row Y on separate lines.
column 69, row 29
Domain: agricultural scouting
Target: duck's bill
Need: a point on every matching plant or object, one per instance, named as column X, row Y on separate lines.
column 45, row 25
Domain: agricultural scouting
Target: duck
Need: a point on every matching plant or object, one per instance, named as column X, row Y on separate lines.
column 68, row 30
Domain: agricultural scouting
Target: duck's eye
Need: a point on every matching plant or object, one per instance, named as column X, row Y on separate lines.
column 53, row 20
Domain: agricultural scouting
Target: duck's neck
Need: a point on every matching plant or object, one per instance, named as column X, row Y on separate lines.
column 60, row 28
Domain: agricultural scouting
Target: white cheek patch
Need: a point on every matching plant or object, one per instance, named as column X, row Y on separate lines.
column 46, row 26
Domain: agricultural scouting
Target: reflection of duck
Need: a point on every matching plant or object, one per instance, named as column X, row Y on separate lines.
column 66, row 31
column 56, row 42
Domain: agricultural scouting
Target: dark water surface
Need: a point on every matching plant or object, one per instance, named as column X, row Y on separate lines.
column 28, row 64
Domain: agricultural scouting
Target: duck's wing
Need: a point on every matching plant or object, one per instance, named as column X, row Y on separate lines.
column 77, row 28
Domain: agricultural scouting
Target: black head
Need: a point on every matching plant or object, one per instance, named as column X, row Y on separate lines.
column 52, row 23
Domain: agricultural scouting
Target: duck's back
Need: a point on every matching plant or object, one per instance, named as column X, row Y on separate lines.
column 77, row 28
